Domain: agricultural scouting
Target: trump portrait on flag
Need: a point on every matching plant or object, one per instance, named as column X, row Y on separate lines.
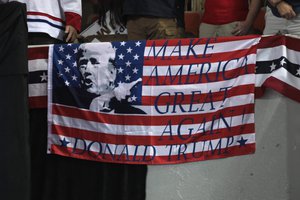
column 98, row 70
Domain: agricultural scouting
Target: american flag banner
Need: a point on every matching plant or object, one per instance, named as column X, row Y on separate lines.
column 38, row 76
column 278, row 66
column 152, row 102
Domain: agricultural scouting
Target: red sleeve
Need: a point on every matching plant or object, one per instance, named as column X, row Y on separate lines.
column 74, row 20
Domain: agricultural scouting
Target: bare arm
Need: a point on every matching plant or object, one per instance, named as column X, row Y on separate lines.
column 244, row 26
column 274, row 2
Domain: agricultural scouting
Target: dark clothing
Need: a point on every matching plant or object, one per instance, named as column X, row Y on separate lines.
column 180, row 12
column 157, row 8
column 14, row 118
column 124, row 107
column 294, row 3
column 42, row 38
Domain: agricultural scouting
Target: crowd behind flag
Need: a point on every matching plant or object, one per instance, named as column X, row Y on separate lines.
column 189, row 100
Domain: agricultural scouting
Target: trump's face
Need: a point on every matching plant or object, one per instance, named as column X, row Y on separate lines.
column 97, row 67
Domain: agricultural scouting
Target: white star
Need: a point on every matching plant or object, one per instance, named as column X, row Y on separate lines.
column 135, row 70
column 67, row 83
column 298, row 72
column 136, row 57
column 123, row 43
column 75, row 50
column 133, row 98
column 68, row 57
column 120, row 70
column 121, row 56
column 74, row 64
column 60, row 62
column 128, row 63
column 282, row 62
column 127, row 77
column 44, row 77
column 74, row 78
column 59, row 74
column 129, row 50
column 138, row 44
column 273, row 67
column 67, row 69
column 61, row 48
column 69, row 45
column 115, row 49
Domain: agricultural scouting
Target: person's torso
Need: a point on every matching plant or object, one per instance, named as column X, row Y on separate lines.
column 49, row 16
column 154, row 8
column 225, row 11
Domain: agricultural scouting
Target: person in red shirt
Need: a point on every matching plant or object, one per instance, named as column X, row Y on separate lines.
column 228, row 17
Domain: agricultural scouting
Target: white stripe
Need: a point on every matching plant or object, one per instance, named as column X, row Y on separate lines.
column 37, row 89
column 137, row 130
column 269, row 54
column 204, row 87
column 160, row 150
column 199, row 49
column 49, row 91
column 260, row 79
column 198, row 68
column 37, row 65
column 281, row 74
column 285, row 76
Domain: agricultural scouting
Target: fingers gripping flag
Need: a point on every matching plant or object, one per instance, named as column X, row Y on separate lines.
column 152, row 102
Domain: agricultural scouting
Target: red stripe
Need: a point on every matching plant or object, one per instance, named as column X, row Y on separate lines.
column 283, row 88
column 198, row 41
column 259, row 92
column 187, row 60
column 175, row 159
column 144, row 120
column 38, row 102
column 199, row 77
column 151, row 140
column 45, row 15
column 277, row 40
column 198, row 98
column 38, row 53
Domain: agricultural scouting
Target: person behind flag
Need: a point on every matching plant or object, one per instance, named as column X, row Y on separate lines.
column 97, row 66
column 56, row 21
column 282, row 17
column 48, row 22
column 150, row 19
column 228, row 17
column 110, row 25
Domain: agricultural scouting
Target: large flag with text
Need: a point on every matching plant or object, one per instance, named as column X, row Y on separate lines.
column 152, row 102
